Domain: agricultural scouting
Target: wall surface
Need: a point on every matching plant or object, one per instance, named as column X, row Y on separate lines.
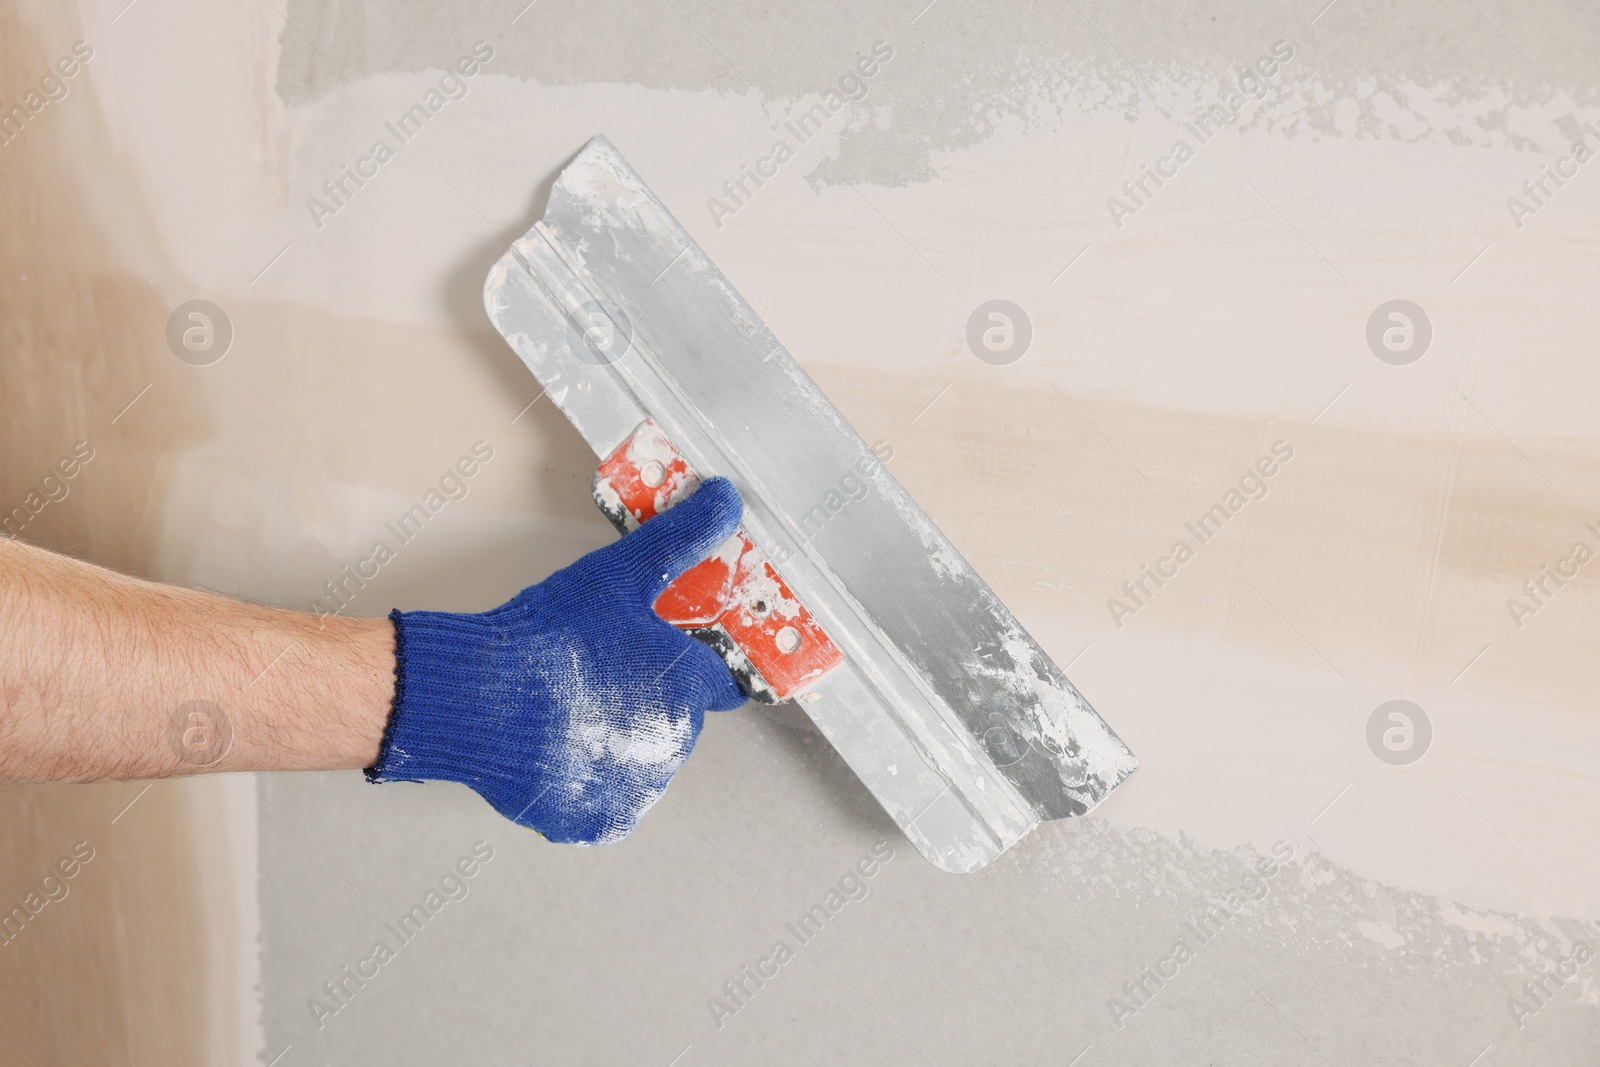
column 147, row 952
column 1181, row 330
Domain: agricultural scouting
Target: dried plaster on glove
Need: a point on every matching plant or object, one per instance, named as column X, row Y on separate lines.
column 617, row 751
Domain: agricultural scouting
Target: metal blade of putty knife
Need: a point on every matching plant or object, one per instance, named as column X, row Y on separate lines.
column 951, row 714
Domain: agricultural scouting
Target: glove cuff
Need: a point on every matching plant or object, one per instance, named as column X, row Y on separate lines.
column 374, row 773
column 427, row 736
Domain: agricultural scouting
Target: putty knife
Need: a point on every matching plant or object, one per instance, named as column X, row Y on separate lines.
column 837, row 592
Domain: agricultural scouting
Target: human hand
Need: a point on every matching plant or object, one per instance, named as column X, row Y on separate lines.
column 570, row 707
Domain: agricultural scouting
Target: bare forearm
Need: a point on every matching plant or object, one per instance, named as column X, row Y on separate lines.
column 106, row 676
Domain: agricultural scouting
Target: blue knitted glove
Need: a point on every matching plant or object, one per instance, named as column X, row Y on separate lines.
column 571, row 706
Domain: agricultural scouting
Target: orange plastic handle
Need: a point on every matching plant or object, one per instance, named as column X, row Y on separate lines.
column 737, row 591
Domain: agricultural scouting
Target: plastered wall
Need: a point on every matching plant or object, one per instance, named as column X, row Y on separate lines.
column 1273, row 885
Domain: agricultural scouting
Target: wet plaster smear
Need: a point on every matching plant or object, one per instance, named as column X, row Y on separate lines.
column 1265, row 889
